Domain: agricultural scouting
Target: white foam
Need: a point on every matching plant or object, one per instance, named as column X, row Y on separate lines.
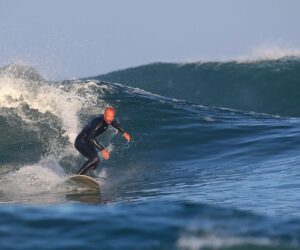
column 103, row 176
column 259, row 53
column 44, row 98
column 269, row 52
column 41, row 177
column 64, row 102
column 216, row 242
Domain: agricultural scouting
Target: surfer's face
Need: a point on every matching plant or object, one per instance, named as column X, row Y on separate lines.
column 109, row 116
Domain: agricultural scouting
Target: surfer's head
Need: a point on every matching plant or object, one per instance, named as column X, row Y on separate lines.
column 109, row 115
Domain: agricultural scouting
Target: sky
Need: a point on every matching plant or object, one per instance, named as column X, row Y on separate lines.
column 66, row 39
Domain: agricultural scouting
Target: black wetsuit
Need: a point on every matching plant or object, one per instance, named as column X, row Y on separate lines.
column 86, row 142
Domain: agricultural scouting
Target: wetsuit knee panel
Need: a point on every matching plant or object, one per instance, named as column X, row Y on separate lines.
column 95, row 160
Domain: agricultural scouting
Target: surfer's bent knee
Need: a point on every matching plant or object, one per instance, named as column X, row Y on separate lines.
column 95, row 159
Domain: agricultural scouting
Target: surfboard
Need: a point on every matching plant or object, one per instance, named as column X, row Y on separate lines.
column 84, row 181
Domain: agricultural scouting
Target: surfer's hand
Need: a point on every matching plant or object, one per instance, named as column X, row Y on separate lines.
column 126, row 136
column 105, row 154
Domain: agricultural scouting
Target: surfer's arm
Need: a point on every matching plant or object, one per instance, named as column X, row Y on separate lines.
column 118, row 127
column 104, row 152
column 98, row 145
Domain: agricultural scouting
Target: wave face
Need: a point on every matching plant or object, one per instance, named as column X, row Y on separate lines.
column 193, row 177
column 265, row 86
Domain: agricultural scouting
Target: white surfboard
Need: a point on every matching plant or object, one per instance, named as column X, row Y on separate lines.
column 84, row 181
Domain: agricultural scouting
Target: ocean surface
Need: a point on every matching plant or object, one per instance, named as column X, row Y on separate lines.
column 197, row 174
column 265, row 86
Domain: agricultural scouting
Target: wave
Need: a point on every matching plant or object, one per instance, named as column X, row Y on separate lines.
column 186, row 175
column 148, row 225
column 178, row 147
column 264, row 86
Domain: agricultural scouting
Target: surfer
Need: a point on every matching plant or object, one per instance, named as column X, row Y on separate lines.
column 87, row 144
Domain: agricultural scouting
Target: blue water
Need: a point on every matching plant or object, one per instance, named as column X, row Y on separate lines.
column 266, row 86
column 193, row 177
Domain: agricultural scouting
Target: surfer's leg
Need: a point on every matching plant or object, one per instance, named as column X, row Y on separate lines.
column 89, row 152
column 88, row 165
column 84, row 148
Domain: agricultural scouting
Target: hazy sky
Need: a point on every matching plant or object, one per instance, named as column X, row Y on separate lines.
column 72, row 38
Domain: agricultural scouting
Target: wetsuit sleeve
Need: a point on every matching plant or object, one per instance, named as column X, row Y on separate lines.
column 98, row 145
column 118, row 127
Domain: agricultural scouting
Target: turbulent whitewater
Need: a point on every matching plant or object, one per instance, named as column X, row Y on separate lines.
column 193, row 177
